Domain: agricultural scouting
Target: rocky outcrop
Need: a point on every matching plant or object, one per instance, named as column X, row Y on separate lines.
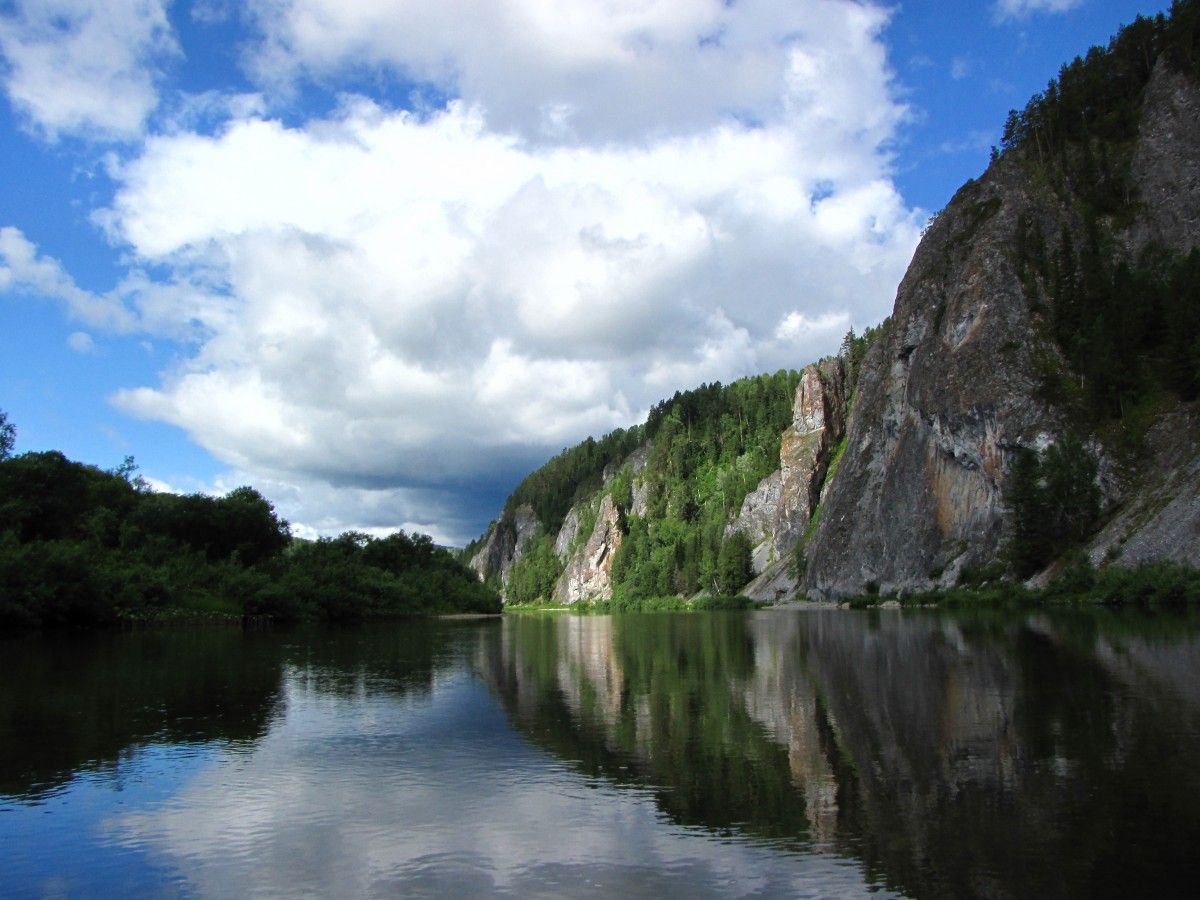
column 567, row 535
column 948, row 394
column 1161, row 520
column 1166, row 165
column 776, row 514
column 588, row 573
column 505, row 544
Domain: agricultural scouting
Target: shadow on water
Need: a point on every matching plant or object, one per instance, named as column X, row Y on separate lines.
column 948, row 755
column 1003, row 755
column 74, row 703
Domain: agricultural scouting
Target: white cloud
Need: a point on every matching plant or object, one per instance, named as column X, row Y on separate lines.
column 627, row 199
column 586, row 70
column 1022, row 9
column 23, row 269
column 960, row 68
column 185, row 312
column 85, row 66
column 81, row 342
column 389, row 819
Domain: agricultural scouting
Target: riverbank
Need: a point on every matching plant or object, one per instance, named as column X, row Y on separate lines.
column 1157, row 584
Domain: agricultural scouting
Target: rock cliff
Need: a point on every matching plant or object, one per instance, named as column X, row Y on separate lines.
column 505, row 544
column 588, row 572
column 776, row 514
column 955, row 387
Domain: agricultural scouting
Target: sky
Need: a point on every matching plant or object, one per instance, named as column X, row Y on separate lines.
column 382, row 258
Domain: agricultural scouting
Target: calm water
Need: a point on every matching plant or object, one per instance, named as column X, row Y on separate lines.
column 774, row 753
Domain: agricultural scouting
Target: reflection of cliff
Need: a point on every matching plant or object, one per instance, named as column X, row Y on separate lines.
column 954, row 756
column 987, row 756
column 649, row 699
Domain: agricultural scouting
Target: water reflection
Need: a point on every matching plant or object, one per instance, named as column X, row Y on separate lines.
column 780, row 753
column 73, row 703
column 951, row 755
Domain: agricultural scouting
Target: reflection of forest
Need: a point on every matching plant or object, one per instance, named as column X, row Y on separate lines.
column 75, row 703
column 952, row 755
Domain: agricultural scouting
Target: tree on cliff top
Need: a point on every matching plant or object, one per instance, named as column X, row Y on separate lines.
column 8, row 435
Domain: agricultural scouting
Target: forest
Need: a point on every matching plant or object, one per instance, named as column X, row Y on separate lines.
column 706, row 449
column 1129, row 329
column 82, row 546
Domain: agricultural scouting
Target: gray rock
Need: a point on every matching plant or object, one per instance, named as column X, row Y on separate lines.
column 776, row 514
column 951, row 391
column 1161, row 520
column 505, row 544
column 567, row 534
column 588, row 573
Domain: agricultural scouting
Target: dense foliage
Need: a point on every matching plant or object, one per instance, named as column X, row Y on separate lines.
column 533, row 577
column 708, row 449
column 1054, row 502
column 705, row 450
column 554, row 488
column 82, row 546
column 1130, row 332
column 1080, row 127
column 1129, row 329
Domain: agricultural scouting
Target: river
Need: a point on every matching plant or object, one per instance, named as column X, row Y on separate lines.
column 774, row 753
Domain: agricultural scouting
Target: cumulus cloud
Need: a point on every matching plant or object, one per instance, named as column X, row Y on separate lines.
column 388, row 819
column 24, row 269
column 621, row 200
column 138, row 303
column 405, row 300
column 580, row 70
column 1022, row 9
column 85, row 66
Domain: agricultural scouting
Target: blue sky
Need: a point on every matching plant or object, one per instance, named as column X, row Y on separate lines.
column 380, row 259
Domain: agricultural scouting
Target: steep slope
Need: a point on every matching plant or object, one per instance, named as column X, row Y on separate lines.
column 1045, row 305
column 1033, row 394
column 719, row 489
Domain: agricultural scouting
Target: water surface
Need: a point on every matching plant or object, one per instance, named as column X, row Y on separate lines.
column 809, row 753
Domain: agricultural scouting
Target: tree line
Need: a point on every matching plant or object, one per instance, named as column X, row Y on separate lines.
column 84, row 546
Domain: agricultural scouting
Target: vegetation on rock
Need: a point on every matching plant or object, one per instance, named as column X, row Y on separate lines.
column 708, row 449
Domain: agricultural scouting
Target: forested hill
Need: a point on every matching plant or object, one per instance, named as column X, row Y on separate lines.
column 1031, row 406
column 81, row 546
column 654, row 510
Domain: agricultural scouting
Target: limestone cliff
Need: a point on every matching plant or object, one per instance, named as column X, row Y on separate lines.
column 588, row 572
column 587, row 564
column 776, row 514
column 956, row 386
column 505, row 544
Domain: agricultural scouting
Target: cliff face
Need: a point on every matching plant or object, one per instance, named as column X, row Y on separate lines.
column 776, row 514
column 953, row 389
column 504, row 546
column 588, row 571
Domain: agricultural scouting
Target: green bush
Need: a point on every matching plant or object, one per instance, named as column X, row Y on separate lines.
column 81, row 547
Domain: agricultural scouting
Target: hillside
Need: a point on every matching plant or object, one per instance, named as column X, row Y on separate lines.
column 1038, row 383
column 1034, row 392
column 703, row 494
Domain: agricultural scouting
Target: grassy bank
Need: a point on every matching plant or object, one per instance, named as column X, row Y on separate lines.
column 645, row 604
column 1155, row 585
